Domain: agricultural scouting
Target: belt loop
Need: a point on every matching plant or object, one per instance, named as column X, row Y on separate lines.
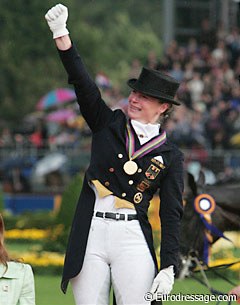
column 117, row 216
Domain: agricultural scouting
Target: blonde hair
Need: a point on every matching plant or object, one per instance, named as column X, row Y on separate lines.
column 167, row 113
column 4, row 256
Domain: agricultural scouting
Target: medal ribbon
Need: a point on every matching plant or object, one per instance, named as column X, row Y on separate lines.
column 130, row 144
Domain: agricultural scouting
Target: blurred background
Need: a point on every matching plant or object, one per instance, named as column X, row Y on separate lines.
column 44, row 141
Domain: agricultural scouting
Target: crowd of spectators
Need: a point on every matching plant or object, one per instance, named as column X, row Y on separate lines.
column 208, row 121
column 208, row 67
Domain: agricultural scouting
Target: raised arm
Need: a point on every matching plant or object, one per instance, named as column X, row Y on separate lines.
column 92, row 107
column 56, row 18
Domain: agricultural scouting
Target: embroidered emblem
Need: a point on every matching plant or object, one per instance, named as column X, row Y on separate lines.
column 159, row 158
column 158, row 162
column 152, row 172
column 143, row 185
column 137, row 198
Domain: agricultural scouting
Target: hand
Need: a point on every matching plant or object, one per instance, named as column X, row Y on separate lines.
column 56, row 18
column 163, row 282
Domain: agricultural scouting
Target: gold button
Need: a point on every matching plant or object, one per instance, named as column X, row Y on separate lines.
column 130, row 182
column 137, row 198
column 124, row 194
column 111, row 169
column 139, row 170
column 120, row 156
column 107, row 183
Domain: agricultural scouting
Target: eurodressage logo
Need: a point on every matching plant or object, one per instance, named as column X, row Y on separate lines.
column 179, row 297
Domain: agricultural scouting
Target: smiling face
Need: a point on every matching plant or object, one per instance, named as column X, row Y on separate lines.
column 144, row 108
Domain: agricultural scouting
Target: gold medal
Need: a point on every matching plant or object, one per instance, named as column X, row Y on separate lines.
column 130, row 167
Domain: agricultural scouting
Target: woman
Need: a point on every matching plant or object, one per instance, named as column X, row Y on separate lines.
column 16, row 279
column 111, row 239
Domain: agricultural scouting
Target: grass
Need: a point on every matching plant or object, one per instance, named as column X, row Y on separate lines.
column 191, row 286
column 48, row 291
column 48, row 286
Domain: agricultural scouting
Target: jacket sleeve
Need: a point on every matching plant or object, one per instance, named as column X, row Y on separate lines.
column 94, row 110
column 171, row 210
column 27, row 296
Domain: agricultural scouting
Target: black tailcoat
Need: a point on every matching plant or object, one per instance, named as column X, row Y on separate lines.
column 108, row 141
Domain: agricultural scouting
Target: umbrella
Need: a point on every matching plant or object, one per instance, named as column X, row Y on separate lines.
column 61, row 115
column 55, row 98
column 50, row 163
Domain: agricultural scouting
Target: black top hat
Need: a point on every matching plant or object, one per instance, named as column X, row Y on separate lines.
column 156, row 84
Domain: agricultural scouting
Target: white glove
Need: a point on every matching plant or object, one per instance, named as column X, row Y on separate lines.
column 163, row 282
column 56, row 18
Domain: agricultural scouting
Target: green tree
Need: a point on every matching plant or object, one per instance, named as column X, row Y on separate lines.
column 108, row 33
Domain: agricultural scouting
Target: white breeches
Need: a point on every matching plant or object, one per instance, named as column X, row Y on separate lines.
column 117, row 254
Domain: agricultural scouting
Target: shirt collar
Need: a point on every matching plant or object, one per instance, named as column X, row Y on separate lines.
column 10, row 271
column 145, row 132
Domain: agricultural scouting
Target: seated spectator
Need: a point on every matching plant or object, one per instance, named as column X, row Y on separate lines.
column 6, row 139
column 196, row 87
column 135, row 68
column 152, row 60
column 177, row 72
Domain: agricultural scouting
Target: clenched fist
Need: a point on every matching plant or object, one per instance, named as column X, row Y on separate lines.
column 56, row 18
